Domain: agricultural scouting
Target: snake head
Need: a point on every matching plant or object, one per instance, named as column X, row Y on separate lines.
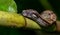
column 41, row 19
column 30, row 13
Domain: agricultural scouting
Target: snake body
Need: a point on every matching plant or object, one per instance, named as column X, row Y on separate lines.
column 40, row 18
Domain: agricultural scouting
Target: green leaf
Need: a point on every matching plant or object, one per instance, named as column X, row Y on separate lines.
column 8, row 5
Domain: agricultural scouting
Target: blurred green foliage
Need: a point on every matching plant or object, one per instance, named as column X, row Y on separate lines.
column 31, row 4
column 8, row 5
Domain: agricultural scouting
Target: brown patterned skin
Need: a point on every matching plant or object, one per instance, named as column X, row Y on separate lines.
column 49, row 16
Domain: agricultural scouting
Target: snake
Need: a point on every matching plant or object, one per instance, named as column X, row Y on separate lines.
column 46, row 18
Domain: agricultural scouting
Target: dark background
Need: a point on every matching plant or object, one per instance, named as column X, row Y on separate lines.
column 31, row 4
column 35, row 4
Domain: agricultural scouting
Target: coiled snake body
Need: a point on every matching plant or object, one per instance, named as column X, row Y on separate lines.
column 46, row 18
